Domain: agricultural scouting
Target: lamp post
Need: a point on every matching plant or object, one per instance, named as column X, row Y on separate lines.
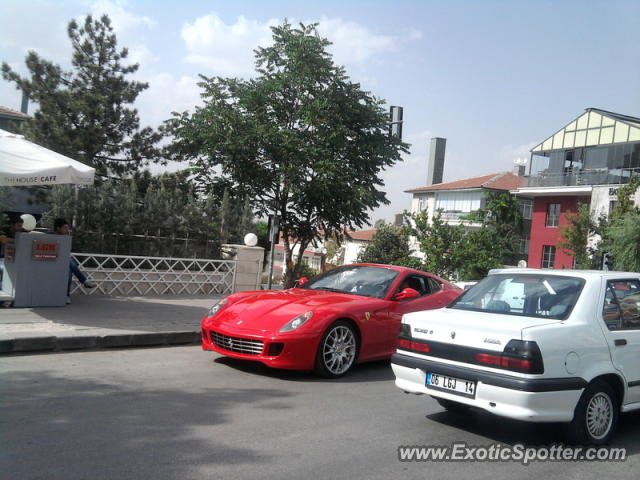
column 274, row 234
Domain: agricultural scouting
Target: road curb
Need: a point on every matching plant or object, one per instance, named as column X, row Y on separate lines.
column 97, row 342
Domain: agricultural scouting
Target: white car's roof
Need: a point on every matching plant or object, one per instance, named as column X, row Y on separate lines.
column 586, row 274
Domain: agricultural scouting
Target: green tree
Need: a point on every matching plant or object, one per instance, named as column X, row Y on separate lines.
column 300, row 139
column 624, row 239
column 606, row 226
column 439, row 242
column 479, row 251
column 502, row 217
column 86, row 113
column 158, row 215
column 388, row 246
column 625, row 203
column 335, row 250
column 575, row 235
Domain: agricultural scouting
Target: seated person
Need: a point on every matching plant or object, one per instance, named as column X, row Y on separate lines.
column 15, row 226
column 61, row 227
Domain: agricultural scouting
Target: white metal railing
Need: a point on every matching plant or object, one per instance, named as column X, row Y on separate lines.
column 133, row 275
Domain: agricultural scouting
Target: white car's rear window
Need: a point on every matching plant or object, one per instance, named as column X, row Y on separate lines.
column 531, row 295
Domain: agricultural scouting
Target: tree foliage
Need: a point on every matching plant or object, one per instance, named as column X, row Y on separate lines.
column 465, row 251
column 335, row 250
column 300, row 139
column 624, row 238
column 87, row 113
column 440, row 243
column 611, row 234
column 501, row 219
column 148, row 215
column 575, row 236
column 388, row 246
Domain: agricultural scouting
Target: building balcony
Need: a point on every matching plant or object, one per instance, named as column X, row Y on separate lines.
column 576, row 177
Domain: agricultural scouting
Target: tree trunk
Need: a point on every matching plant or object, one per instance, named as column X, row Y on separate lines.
column 293, row 270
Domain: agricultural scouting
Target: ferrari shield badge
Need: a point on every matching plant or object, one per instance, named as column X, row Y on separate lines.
column 367, row 315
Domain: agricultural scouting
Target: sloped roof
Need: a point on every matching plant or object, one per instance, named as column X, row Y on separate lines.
column 493, row 181
column 364, row 235
column 9, row 113
column 592, row 128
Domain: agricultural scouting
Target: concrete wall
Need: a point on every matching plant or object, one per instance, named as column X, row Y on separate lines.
column 248, row 267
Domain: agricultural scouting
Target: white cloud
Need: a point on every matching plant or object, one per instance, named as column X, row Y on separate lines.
column 129, row 28
column 509, row 153
column 122, row 18
column 21, row 30
column 167, row 93
column 353, row 42
column 227, row 49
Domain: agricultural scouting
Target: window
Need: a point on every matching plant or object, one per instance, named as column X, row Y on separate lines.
column 524, row 246
column 458, row 201
column 534, row 295
column 621, row 309
column 434, row 286
column 612, row 205
column 527, row 208
column 548, row 256
column 553, row 214
column 417, row 283
column 422, row 204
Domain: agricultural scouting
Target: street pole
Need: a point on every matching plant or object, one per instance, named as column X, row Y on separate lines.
column 274, row 236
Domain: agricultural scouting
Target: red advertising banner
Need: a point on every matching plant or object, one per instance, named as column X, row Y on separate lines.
column 44, row 250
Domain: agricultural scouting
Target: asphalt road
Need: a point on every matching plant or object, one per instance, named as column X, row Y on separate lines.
column 180, row 413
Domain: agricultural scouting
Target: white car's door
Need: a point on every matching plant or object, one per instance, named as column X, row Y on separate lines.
column 621, row 314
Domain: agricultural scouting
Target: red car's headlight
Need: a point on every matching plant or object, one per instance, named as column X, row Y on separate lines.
column 216, row 308
column 297, row 322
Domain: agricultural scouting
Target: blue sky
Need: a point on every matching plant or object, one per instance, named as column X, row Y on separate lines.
column 493, row 77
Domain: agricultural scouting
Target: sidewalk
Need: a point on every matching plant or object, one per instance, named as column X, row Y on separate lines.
column 93, row 321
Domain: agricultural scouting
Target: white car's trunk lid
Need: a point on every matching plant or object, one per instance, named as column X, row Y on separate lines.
column 482, row 330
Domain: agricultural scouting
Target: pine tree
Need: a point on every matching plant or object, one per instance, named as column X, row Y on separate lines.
column 87, row 113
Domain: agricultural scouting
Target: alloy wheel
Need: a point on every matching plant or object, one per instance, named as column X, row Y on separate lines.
column 599, row 415
column 339, row 349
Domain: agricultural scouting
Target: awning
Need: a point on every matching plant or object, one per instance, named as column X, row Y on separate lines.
column 24, row 163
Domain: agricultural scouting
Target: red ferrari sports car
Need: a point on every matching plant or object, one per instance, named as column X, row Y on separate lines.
column 349, row 314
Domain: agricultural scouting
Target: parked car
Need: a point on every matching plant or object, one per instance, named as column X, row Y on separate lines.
column 533, row 345
column 347, row 315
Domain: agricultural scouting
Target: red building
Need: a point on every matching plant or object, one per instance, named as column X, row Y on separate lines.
column 548, row 219
column 584, row 162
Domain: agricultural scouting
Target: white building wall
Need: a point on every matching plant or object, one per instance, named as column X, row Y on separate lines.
column 601, row 198
column 352, row 249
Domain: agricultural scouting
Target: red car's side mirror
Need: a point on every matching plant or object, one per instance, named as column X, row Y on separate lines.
column 407, row 294
column 301, row 281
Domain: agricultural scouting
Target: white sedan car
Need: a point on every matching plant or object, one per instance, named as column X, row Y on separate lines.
column 534, row 345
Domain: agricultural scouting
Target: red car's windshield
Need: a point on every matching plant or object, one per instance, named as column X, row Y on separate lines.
column 356, row 280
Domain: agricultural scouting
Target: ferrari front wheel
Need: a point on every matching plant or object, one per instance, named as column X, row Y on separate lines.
column 337, row 351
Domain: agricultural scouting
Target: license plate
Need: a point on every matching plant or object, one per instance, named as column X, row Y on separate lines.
column 451, row 384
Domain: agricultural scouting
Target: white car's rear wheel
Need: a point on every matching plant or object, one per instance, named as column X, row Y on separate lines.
column 596, row 415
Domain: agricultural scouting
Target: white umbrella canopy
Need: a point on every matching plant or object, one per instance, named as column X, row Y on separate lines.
column 24, row 163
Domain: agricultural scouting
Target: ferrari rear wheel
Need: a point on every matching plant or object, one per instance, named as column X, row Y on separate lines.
column 337, row 351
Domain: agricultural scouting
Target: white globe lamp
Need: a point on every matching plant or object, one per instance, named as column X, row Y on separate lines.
column 250, row 239
column 29, row 222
